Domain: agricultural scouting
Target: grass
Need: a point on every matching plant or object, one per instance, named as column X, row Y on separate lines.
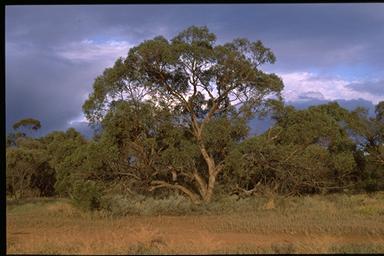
column 311, row 224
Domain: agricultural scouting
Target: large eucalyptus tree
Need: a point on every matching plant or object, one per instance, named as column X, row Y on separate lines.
column 200, row 81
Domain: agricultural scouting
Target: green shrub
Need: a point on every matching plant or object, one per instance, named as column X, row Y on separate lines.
column 86, row 195
column 371, row 185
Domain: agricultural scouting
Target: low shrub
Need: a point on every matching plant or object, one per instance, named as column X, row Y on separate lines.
column 86, row 195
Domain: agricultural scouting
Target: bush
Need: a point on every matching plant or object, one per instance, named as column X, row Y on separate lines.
column 116, row 205
column 86, row 195
column 370, row 185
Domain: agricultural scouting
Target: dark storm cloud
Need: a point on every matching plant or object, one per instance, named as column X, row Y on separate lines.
column 49, row 70
column 312, row 35
column 41, row 82
column 47, row 25
column 45, row 88
column 299, row 31
column 374, row 87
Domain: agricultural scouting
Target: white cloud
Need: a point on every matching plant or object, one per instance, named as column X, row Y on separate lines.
column 80, row 119
column 298, row 85
column 375, row 86
column 311, row 95
column 89, row 50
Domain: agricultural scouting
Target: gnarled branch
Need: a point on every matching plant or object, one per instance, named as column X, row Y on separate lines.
column 162, row 184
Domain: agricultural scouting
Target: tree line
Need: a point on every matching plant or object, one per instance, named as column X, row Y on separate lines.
column 172, row 117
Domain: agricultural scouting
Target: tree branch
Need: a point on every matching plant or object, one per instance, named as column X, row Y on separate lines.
column 162, row 184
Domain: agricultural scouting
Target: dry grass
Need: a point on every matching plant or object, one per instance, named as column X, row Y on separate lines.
column 319, row 224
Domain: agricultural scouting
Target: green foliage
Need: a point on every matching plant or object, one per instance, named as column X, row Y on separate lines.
column 379, row 110
column 61, row 147
column 288, row 169
column 28, row 170
column 12, row 137
column 368, row 133
column 307, row 151
column 169, row 98
column 222, row 133
column 86, row 194
column 318, row 124
column 30, row 123
column 21, row 164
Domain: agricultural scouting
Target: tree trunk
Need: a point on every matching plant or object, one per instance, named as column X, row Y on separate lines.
column 204, row 185
column 211, row 186
column 206, row 188
column 212, row 173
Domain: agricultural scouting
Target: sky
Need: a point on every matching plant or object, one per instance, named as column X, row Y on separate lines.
column 324, row 52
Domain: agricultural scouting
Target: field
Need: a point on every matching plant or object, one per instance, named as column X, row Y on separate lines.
column 316, row 224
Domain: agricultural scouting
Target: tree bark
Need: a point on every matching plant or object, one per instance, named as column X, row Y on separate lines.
column 211, row 186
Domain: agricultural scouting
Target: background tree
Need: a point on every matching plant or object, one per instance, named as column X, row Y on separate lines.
column 306, row 151
column 21, row 128
column 60, row 146
column 12, row 138
column 203, row 82
column 28, row 170
column 27, row 124
column 368, row 133
column 21, row 165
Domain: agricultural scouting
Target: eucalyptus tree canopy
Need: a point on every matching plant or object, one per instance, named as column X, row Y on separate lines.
column 20, row 128
column 198, row 80
column 29, row 123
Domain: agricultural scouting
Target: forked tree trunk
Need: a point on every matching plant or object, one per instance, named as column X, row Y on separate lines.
column 204, row 185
